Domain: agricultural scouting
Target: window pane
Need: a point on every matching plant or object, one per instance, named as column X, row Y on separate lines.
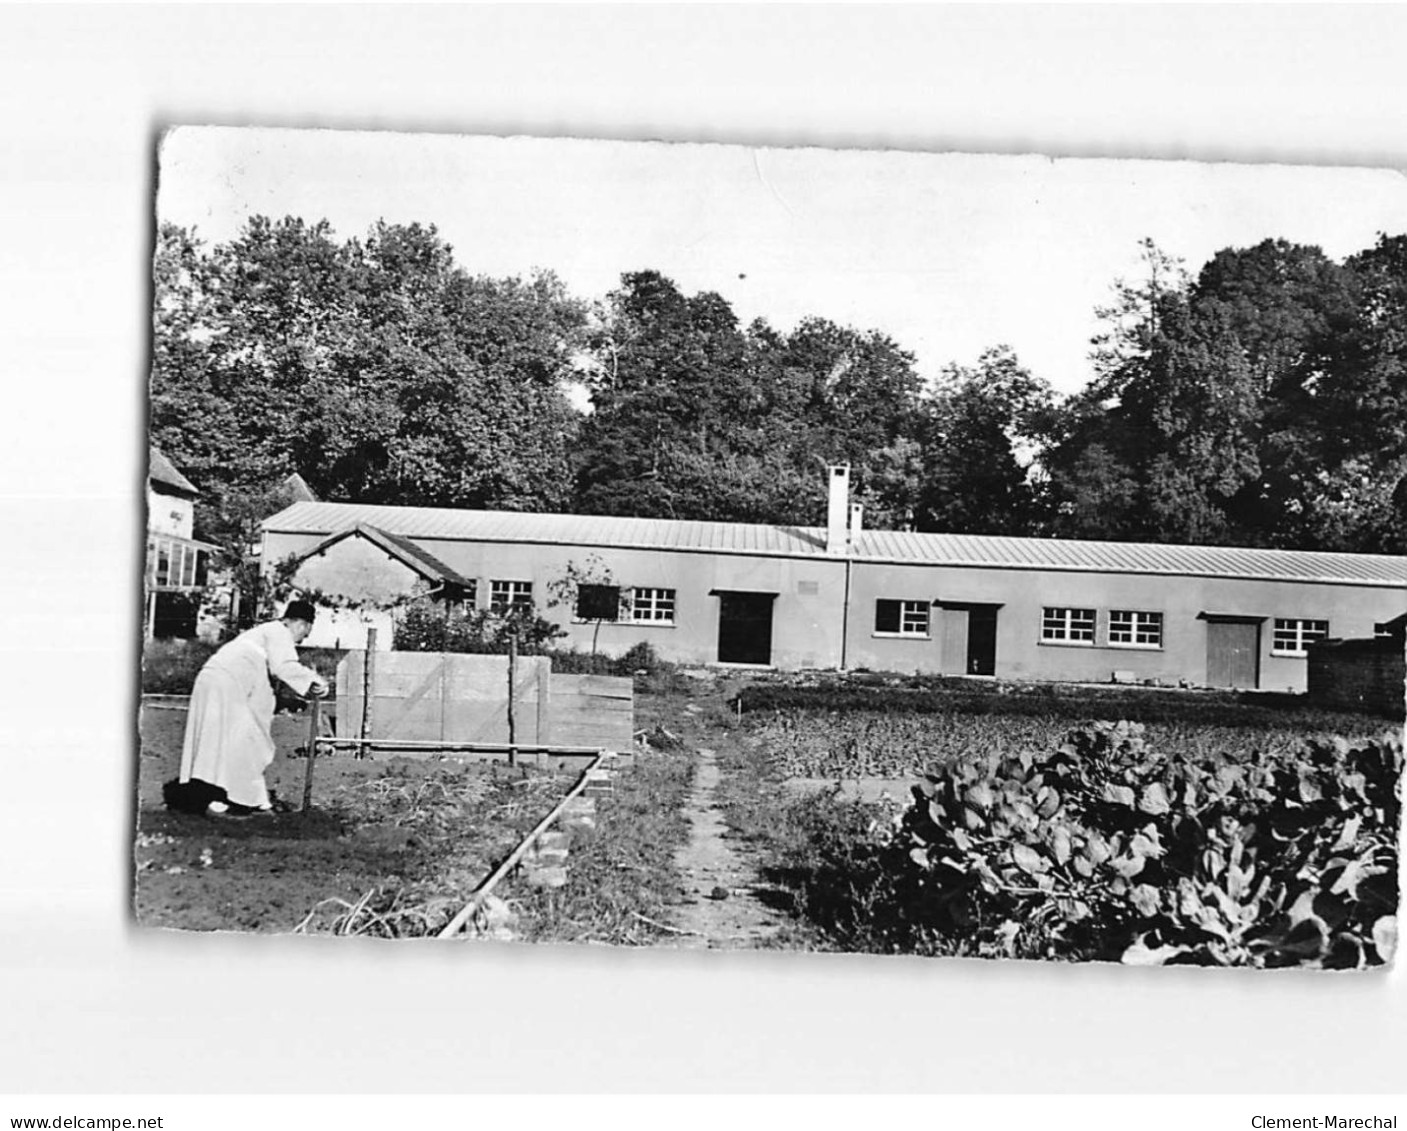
column 504, row 595
column 1060, row 623
column 598, row 602
column 915, row 618
column 652, row 606
column 886, row 616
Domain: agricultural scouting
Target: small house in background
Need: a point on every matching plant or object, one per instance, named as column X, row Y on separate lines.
column 1366, row 673
column 176, row 564
column 357, row 574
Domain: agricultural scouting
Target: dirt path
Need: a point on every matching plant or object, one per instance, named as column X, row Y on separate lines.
column 720, row 909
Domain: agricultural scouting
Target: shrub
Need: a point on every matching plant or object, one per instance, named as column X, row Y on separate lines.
column 426, row 627
column 1203, row 708
column 169, row 667
column 1104, row 848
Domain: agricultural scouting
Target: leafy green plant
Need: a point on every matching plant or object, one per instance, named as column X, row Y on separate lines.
column 424, row 626
column 1105, row 848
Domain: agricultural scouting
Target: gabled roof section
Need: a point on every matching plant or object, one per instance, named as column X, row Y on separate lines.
column 871, row 546
column 162, row 473
column 402, row 549
column 297, row 489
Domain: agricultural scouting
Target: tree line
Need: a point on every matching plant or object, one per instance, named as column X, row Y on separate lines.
column 1261, row 402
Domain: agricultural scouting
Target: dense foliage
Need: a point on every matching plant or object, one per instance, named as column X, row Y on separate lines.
column 1106, row 848
column 425, row 626
column 936, row 695
column 1261, row 402
column 850, row 745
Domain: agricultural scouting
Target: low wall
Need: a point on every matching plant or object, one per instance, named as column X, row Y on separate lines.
column 1361, row 675
column 457, row 697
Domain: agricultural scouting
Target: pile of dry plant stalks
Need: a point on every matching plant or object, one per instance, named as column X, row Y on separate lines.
column 438, row 808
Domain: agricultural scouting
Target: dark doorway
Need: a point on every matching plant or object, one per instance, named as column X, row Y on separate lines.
column 982, row 640
column 175, row 615
column 1233, row 653
column 745, row 627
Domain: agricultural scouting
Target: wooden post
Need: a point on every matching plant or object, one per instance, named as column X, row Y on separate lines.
column 368, row 687
column 512, row 674
column 544, row 700
column 314, row 716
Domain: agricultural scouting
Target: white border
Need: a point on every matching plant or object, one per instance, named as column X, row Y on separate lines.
column 91, row 1005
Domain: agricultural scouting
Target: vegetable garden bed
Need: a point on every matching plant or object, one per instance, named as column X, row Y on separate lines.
column 1026, row 836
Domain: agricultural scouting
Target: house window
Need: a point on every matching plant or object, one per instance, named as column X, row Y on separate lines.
column 1067, row 626
column 651, row 606
column 1294, row 634
column 1130, row 629
column 460, row 598
column 174, row 564
column 516, row 596
column 901, row 618
column 598, row 602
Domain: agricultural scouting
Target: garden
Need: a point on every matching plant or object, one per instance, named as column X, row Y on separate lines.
column 1042, row 822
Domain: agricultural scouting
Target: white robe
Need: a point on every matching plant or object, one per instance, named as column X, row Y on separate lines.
column 228, row 741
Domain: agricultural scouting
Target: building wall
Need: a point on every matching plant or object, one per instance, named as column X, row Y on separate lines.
column 806, row 627
column 814, row 600
column 1364, row 675
column 170, row 514
column 358, row 571
column 1023, row 595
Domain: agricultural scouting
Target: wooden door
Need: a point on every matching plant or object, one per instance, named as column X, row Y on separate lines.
column 1233, row 654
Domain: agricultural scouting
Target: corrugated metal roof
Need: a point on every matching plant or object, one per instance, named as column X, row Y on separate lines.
column 870, row 546
column 415, row 553
column 556, row 529
column 1130, row 557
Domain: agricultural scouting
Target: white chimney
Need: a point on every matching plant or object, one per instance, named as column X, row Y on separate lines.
column 857, row 512
column 837, row 507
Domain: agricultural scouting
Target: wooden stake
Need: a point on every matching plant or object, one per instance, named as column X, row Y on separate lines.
column 368, row 683
column 512, row 672
column 314, row 717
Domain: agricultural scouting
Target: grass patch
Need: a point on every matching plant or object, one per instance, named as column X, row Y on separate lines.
column 169, row 667
column 1077, row 705
column 819, row 854
column 621, row 875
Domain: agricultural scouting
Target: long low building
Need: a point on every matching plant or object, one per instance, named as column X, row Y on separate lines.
column 844, row 597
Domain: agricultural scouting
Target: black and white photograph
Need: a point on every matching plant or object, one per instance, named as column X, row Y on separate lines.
column 731, row 564
column 732, row 547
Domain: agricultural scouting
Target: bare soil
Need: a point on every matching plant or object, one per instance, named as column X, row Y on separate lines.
column 723, row 900
column 421, row 833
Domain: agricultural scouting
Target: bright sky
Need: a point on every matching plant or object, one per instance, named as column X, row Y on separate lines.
column 947, row 253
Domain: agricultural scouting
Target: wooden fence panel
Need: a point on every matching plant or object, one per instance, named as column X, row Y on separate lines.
column 593, row 710
column 464, row 698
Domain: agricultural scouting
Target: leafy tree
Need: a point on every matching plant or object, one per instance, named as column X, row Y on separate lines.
column 985, row 424
column 1165, row 437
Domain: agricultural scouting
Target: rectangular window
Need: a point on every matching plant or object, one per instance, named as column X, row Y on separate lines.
column 901, row 618
column 1131, row 629
column 651, row 606
column 598, row 602
column 1294, row 634
column 163, row 562
column 514, row 595
column 1067, row 626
